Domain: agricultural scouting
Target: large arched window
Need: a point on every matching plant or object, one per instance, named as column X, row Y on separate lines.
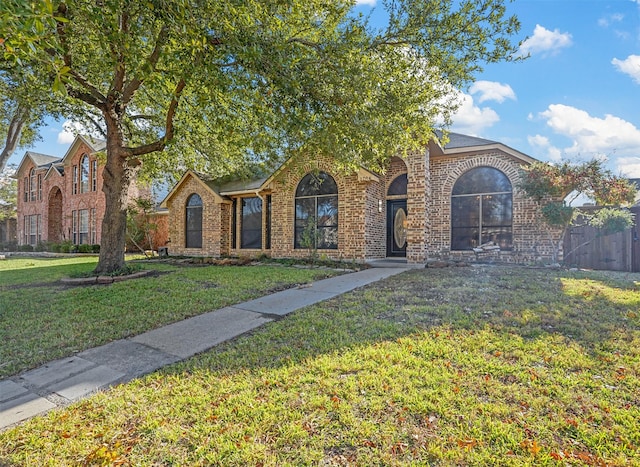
column 481, row 209
column 193, row 224
column 316, row 224
column 84, row 174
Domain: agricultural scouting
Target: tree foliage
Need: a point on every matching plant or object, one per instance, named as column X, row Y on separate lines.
column 8, row 194
column 556, row 186
column 219, row 85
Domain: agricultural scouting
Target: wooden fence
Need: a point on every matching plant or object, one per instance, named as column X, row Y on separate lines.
column 615, row 252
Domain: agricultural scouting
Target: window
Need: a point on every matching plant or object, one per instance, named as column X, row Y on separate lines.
column 267, row 230
column 84, row 174
column 32, row 224
column 481, row 209
column 74, row 226
column 93, row 221
column 234, row 223
column 94, row 175
column 25, row 189
column 193, row 217
column 83, row 226
column 74, row 180
column 398, row 186
column 39, row 187
column 251, row 218
column 32, row 185
column 316, row 210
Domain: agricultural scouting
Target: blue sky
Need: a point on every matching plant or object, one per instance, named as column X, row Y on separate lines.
column 576, row 97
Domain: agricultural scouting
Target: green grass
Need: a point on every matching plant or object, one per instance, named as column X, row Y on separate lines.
column 461, row 366
column 42, row 319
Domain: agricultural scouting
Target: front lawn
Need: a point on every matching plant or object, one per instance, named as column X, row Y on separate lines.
column 486, row 365
column 42, row 319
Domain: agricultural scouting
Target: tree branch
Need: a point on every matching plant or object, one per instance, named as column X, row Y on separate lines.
column 93, row 96
column 118, row 77
column 160, row 143
column 19, row 119
column 132, row 86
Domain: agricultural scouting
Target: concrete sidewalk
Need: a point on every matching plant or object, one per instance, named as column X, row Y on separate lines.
column 63, row 381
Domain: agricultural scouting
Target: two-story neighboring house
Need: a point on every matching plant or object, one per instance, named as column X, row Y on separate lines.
column 61, row 199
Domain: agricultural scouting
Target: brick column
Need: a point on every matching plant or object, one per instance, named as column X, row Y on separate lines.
column 418, row 206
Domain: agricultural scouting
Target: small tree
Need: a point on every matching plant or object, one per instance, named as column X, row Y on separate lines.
column 556, row 186
column 139, row 226
column 310, row 238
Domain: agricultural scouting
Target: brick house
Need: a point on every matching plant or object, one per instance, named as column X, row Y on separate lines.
column 61, row 199
column 446, row 202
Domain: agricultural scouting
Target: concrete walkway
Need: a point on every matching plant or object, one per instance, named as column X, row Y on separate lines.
column 63, row 381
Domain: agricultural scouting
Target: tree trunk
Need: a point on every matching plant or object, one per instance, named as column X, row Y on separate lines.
column 18, row 121
column 118, row 174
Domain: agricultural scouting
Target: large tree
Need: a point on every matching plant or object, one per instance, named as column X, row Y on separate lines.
column 222, row 84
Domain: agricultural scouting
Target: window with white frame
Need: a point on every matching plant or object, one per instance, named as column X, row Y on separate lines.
column 84, row 174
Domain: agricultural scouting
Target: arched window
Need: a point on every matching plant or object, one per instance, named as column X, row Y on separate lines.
column 398, row 186
column 481, row 209
column 316, row 224
column 84, row 174
column 193, row 224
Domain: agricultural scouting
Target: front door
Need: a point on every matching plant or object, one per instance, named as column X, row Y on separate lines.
column 397, row 227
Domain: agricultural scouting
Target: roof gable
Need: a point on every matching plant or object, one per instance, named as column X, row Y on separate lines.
column 460, row 144
column 95, row 145
column 190, row 174
column 40, row 161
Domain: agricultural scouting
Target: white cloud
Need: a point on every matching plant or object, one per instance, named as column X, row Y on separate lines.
column 629, row 66
column 69, row 131
column 471, row 119
column 366, row 2
column 606, row 21
column 492, row 91
column 611, row 137
column 544, row 145
column 545, row 42
column 630, row 166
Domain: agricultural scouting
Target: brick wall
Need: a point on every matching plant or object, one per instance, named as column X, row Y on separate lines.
column 355, row 203
column 57, row 199
column 212, row 220
column 529, row 240
column 361, row 222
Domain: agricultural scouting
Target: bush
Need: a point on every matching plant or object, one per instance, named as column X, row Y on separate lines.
column 8, row 246
column 84, row 248
column 43, row 246
column 66, row 247
column 25, row 248
column 95, row 248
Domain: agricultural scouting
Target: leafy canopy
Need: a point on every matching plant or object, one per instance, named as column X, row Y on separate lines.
column 222, row 85
column 260, row 79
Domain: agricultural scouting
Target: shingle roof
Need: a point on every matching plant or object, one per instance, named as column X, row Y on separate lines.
column 458, row 140
column 42, row 160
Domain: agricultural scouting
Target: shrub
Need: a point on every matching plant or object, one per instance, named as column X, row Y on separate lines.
column 95, row 248
column 84, row 248
column 42, row 246
column 66, row 247
column 25, row 248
